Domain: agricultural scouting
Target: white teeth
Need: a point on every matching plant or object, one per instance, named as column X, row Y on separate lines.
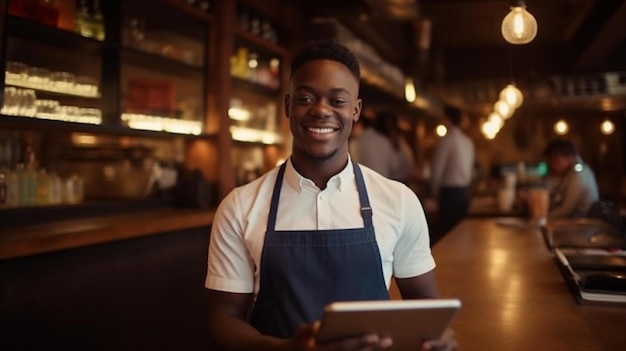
column 320, row 130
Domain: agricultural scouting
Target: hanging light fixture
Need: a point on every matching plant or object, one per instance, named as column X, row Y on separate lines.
column 496, row 120
column 409, row 90
column 607, row 127
column 519, row 26
column 561, row 127
column 441, row 130
column 512, row 95
column 503, row 109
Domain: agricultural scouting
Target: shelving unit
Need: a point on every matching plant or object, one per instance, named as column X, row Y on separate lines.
column 199, row 74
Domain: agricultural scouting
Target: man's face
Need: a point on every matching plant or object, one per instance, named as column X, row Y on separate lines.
column 560, row 164
column 322, row 104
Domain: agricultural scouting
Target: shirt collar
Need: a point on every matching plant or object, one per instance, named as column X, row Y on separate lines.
column 299, row 183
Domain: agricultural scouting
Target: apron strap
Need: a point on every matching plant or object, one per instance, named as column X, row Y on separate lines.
column 271, row 219
column 366, row 209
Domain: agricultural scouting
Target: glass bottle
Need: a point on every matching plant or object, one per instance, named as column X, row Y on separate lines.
column 98, row 21
column 83, row 20
column 43, row 188
column 13, row 188
column 54, row 194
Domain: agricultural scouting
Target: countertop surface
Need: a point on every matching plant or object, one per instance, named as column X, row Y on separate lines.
column 26, row 240
column 513, row 294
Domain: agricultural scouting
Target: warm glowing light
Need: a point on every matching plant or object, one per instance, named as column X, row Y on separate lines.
column 238, row 114
column 441, row 130
column 519, row 26
column 409, row 90
column 83, row 139
column 607, row 127
column 496, row 120
column 503, row 109
column 253, row 63
column 512, row 95
column 561, row 127
column 489, row 129
column 254, row 135
column 165, row 124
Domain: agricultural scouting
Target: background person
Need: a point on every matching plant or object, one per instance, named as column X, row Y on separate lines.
column 575, row 188
column 451, row 171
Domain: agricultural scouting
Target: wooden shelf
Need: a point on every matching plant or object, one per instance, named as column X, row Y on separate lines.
column 260, row 42
column 30, row 30
column 191, row 10
column 44, row 124
column 239, row 83
column 144, row 58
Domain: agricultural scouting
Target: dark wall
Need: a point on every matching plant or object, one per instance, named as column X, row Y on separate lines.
column 140, row 294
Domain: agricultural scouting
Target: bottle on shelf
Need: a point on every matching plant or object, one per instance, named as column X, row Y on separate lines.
column 43, row 188
column 83, row 20
column 98, row 21
column 13, row 187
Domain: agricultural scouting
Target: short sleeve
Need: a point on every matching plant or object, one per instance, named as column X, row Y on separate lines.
column 412, row 255
column 230, row 266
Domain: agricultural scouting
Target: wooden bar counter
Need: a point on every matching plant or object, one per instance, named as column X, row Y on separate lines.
column 513, row 295
column 27, row 240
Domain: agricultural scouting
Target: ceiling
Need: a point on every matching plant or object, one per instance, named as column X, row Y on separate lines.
column 464, row 48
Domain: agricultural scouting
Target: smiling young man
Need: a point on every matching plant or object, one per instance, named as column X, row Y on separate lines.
column 317, row 229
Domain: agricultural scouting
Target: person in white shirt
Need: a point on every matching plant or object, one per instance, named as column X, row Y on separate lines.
column 576, row 188
column 451, row 172
column 319, row 228
column 374, row 148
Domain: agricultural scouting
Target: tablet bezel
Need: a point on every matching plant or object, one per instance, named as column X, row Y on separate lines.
column 407, row 322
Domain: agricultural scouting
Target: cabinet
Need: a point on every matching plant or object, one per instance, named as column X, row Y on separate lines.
column 154, row 78
column 104, row 87
column 258, row 72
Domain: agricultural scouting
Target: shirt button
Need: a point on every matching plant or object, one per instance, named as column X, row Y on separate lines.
column 321, row 197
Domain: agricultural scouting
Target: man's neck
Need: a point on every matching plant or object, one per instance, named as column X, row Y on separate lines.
column 319, row 171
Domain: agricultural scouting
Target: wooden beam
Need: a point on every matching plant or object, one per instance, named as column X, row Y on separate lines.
column 608, row 37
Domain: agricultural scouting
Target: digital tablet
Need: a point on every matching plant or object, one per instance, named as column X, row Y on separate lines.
column 407, row 322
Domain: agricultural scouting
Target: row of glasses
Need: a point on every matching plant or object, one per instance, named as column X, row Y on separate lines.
column 24, row 102
column 20, row 74
column 19, row 102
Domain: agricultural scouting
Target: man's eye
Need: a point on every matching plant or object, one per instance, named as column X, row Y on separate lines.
column 339, row 102
column 304, row 99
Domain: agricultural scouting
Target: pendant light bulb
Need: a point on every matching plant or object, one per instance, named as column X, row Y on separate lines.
column 519, row 26
column 503, row 109
column 607, row 127
column 409, row 90
column 512, row 95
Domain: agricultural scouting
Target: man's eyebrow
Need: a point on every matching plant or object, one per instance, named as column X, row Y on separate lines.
column 334, row 90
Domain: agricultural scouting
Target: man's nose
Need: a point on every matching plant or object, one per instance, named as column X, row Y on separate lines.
column 321, row 109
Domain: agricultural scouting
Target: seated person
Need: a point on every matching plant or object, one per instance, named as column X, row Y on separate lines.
column 575, row 187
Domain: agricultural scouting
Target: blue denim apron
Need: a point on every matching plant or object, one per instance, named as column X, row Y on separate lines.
column 303, row 270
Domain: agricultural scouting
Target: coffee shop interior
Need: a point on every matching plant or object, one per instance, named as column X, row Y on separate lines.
column 124, row 123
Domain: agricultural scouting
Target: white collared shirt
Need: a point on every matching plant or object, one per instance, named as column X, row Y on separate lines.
column 453, row 161
column 238, row 230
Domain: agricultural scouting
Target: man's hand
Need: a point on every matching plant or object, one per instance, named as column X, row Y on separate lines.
column 446, row 343
column 305, row 341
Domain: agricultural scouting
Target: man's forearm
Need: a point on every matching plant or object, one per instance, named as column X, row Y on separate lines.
column 229, row 333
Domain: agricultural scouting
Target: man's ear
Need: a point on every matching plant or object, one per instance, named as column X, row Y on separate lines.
column 287, row 104
column 357, row 110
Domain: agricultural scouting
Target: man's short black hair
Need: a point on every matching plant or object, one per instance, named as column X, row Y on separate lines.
column 454, row 114
column 327, row 50
column 561, row 147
